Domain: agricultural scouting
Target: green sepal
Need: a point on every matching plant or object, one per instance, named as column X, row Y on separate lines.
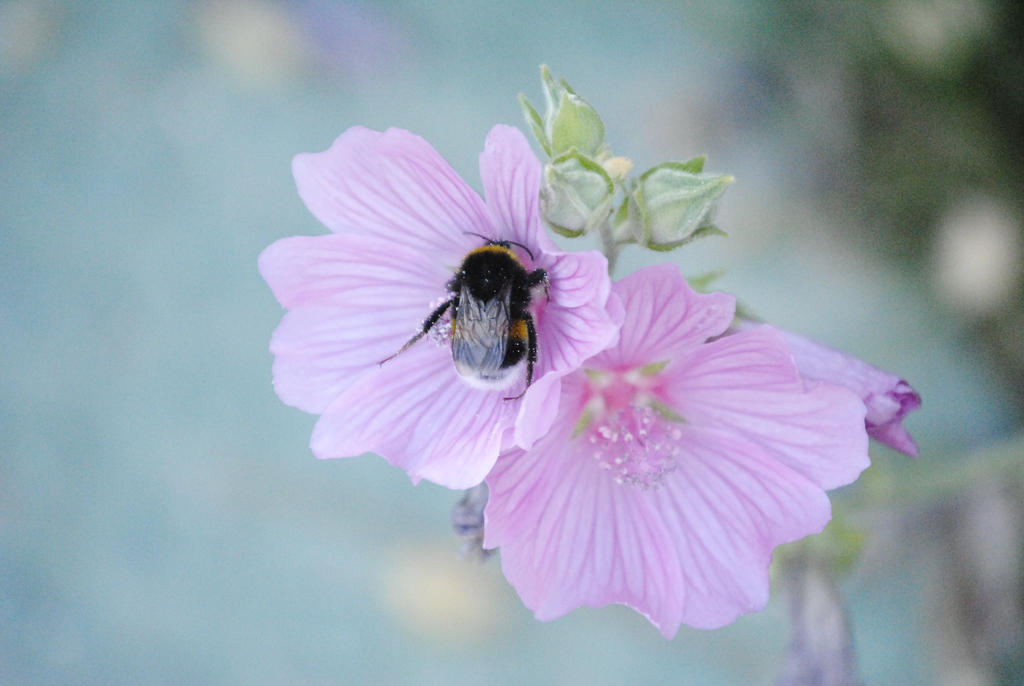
column 702, row 232
column 535, row 123
column 694, row 166
column 624, row 227
column 552, row 91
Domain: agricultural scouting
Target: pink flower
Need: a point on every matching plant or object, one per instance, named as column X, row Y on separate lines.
column 402, row 223
column 673, row 467
column 887, row 397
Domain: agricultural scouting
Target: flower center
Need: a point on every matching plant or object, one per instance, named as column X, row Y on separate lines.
column 631, row 435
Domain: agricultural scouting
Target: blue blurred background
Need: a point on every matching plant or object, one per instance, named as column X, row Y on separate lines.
column 161, row 517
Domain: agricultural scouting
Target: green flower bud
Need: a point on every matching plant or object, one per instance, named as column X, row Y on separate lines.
column 674, row 201
column 576, row 194
column 569, row 122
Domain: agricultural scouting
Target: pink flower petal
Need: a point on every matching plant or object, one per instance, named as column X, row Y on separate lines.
column 417, row 414
column 359, row 270
column 695, row 550
column 727, row 506
column 511, row 175
column 320, row 351
column 395, row 186
column 538, row 410
column 747, row 383
column 663, row 314
column 338, row 328
column 575, row 324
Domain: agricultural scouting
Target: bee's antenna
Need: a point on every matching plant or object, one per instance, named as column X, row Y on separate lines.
column 478, row 235
column 528, row 251
column 492, row 241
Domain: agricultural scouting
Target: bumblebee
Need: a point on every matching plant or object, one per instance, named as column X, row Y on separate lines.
column 492, row 329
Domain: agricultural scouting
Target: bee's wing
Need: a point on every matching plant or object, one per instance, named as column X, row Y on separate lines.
column 480, row 335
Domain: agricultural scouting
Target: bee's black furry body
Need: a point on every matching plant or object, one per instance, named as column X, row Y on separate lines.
column 492, row 328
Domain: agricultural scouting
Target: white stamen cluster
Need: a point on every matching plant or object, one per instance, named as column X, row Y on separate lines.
column 636, row 445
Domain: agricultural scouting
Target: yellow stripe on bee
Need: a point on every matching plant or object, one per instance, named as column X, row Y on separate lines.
column 494, row 248
column 517, row 329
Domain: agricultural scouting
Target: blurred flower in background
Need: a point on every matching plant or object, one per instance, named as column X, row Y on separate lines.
column 257, row 42
column 977, row 257
column 268, row 43
column 28, row 32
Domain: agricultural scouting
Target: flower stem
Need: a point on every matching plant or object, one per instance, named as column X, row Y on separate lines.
column 609, row 246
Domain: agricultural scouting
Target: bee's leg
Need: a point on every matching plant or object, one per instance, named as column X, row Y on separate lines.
column 531, row 353
column 537, row 277
column 531, row 347
column 428, row 324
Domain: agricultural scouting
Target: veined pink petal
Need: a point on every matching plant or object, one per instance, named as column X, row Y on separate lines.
column 695, row 550
column 360, row 270
column 538, row 410
column 728, row 505
column 319, row 351
column 511, row 177
column 746, row 383
column 395, row 186
column 575, row 323
column 887, row 397
column 417, row 414
column 663, row 314
column 339, row 326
